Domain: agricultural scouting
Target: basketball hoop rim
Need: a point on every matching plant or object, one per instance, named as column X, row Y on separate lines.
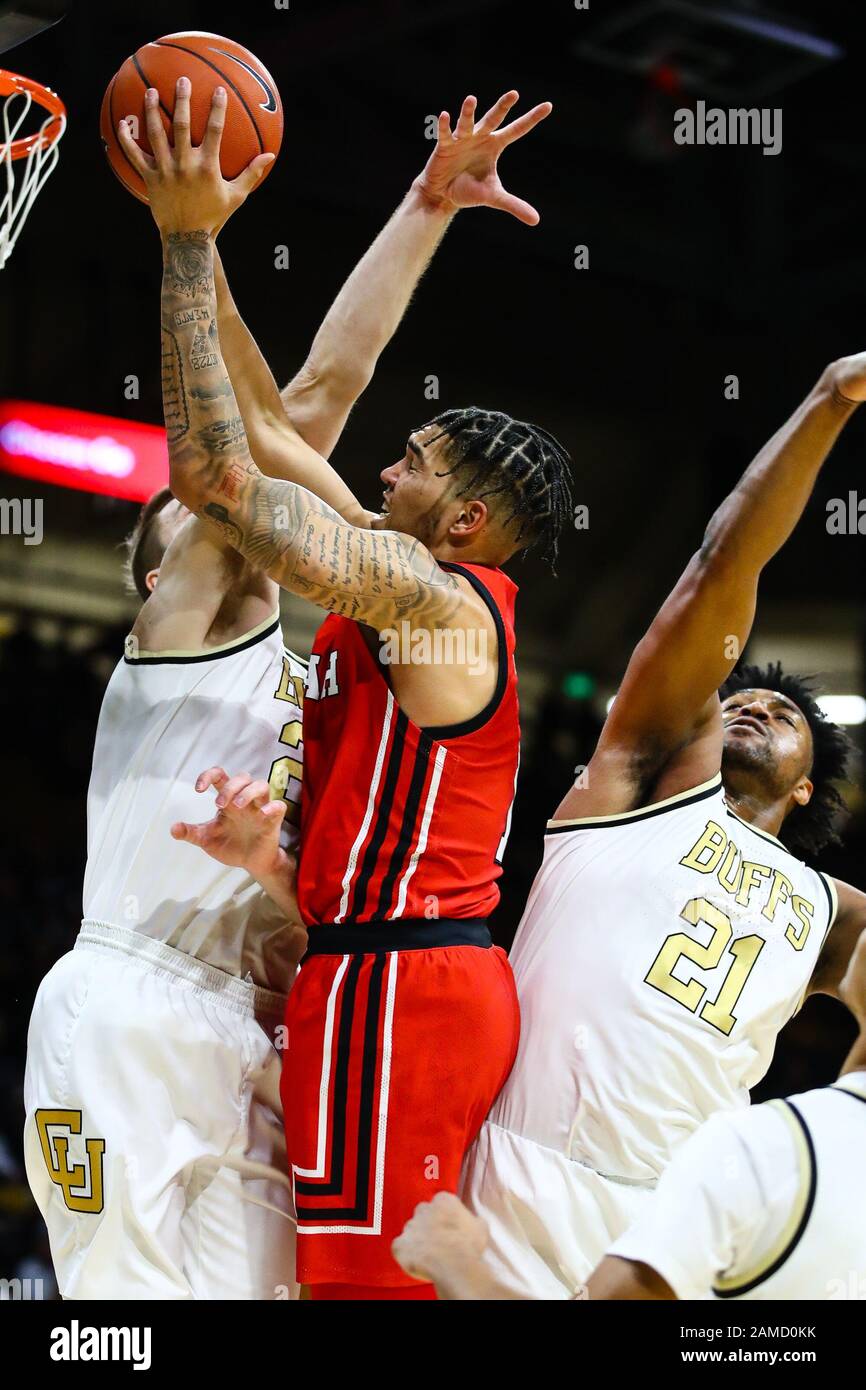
column 13, row 84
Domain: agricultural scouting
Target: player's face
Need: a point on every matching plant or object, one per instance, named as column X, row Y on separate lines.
column 767, row 733
column 417, row 489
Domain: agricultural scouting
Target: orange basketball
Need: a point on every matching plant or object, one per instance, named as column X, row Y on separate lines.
column 254, row 112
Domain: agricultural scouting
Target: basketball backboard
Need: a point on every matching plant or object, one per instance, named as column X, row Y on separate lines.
column 22, row 19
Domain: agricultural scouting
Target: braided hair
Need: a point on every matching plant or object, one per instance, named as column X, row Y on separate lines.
column 508, row 457
column 807, row 829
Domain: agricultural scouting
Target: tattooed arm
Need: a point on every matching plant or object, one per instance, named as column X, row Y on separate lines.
column 373, row 576
column 460, row 173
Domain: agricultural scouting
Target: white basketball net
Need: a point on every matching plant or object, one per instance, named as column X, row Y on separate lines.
column 21, row 185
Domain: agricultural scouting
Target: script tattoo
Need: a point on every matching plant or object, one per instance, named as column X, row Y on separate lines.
column 194, row 315
column 279, row 527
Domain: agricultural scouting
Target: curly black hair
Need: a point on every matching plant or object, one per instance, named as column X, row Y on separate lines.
column 807, row 829
column 503, row 455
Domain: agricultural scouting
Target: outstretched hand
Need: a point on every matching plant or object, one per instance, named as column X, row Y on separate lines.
column 184, row 182
column 462, row 170
column 245, row 832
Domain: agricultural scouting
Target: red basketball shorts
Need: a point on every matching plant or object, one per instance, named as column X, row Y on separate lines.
column 393, row 1058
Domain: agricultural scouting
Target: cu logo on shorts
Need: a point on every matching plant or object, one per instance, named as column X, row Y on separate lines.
column 81, row 1183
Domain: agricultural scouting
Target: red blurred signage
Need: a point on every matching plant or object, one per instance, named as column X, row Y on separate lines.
column 74, row 448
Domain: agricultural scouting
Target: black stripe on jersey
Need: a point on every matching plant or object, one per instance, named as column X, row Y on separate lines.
column 215, row 655
column 383, row 816
column 410, row 826
column 469, row 726
column 786, row 1254
column 360, row 1211
column 852, row 1094
column 627, row 818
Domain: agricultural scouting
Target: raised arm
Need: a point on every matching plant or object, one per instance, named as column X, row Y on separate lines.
column 281, row 528
column 667, row 714
column 461, row 173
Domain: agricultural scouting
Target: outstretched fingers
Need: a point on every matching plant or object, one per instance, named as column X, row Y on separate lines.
column 517, row 207
column 497, row 113
column 155, row 129
column 181, row 121
column 466, row 119
column 249, row 177
column 142, row 163
column 210, row 145
column 525, row 123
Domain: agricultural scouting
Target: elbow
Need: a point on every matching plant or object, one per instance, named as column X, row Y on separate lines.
column 334, row 380
column 185, row 486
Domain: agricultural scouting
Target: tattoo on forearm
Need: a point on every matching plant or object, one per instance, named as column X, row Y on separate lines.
column 197, row 314
column 173, row 394
column 211, row 393
column 278, row 527
column 222, row 436
column 201, row 354
column 189, row 263
column 231, row 482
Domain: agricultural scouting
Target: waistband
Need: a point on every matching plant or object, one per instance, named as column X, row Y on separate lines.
column 404, row 934
column 239, row 995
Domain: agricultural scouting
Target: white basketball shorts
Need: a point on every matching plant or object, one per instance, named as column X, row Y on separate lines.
column 551, row 1220
column 153, row 1138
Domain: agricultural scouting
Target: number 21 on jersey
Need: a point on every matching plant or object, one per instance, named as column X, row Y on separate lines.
column 679, row 947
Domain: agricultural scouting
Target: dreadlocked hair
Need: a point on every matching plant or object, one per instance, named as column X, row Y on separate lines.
column 492, row 451
column 807, row 829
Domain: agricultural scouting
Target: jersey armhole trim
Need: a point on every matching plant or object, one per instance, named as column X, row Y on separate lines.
column 833, row 897
column 849, row 1077
column 182, row 658
column 794, row 1229
column 439, row 733
column 657, row 808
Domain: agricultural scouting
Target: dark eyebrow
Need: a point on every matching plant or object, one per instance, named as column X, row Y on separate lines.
column 413, row 448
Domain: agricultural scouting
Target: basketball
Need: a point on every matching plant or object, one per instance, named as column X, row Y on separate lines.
column 254, row 112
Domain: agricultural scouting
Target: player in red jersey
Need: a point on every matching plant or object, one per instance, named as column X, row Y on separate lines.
column 403, row 1023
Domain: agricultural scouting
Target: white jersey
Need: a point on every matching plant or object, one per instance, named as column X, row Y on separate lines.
column 660, row 953
column 773, row 1201
column 165, row 718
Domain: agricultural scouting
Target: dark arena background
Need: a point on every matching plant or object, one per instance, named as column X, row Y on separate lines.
column 702, row 265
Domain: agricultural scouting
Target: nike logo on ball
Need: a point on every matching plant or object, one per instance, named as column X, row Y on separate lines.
column 271, row 103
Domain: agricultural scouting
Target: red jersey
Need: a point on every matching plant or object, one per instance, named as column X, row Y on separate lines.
column 399, row 821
